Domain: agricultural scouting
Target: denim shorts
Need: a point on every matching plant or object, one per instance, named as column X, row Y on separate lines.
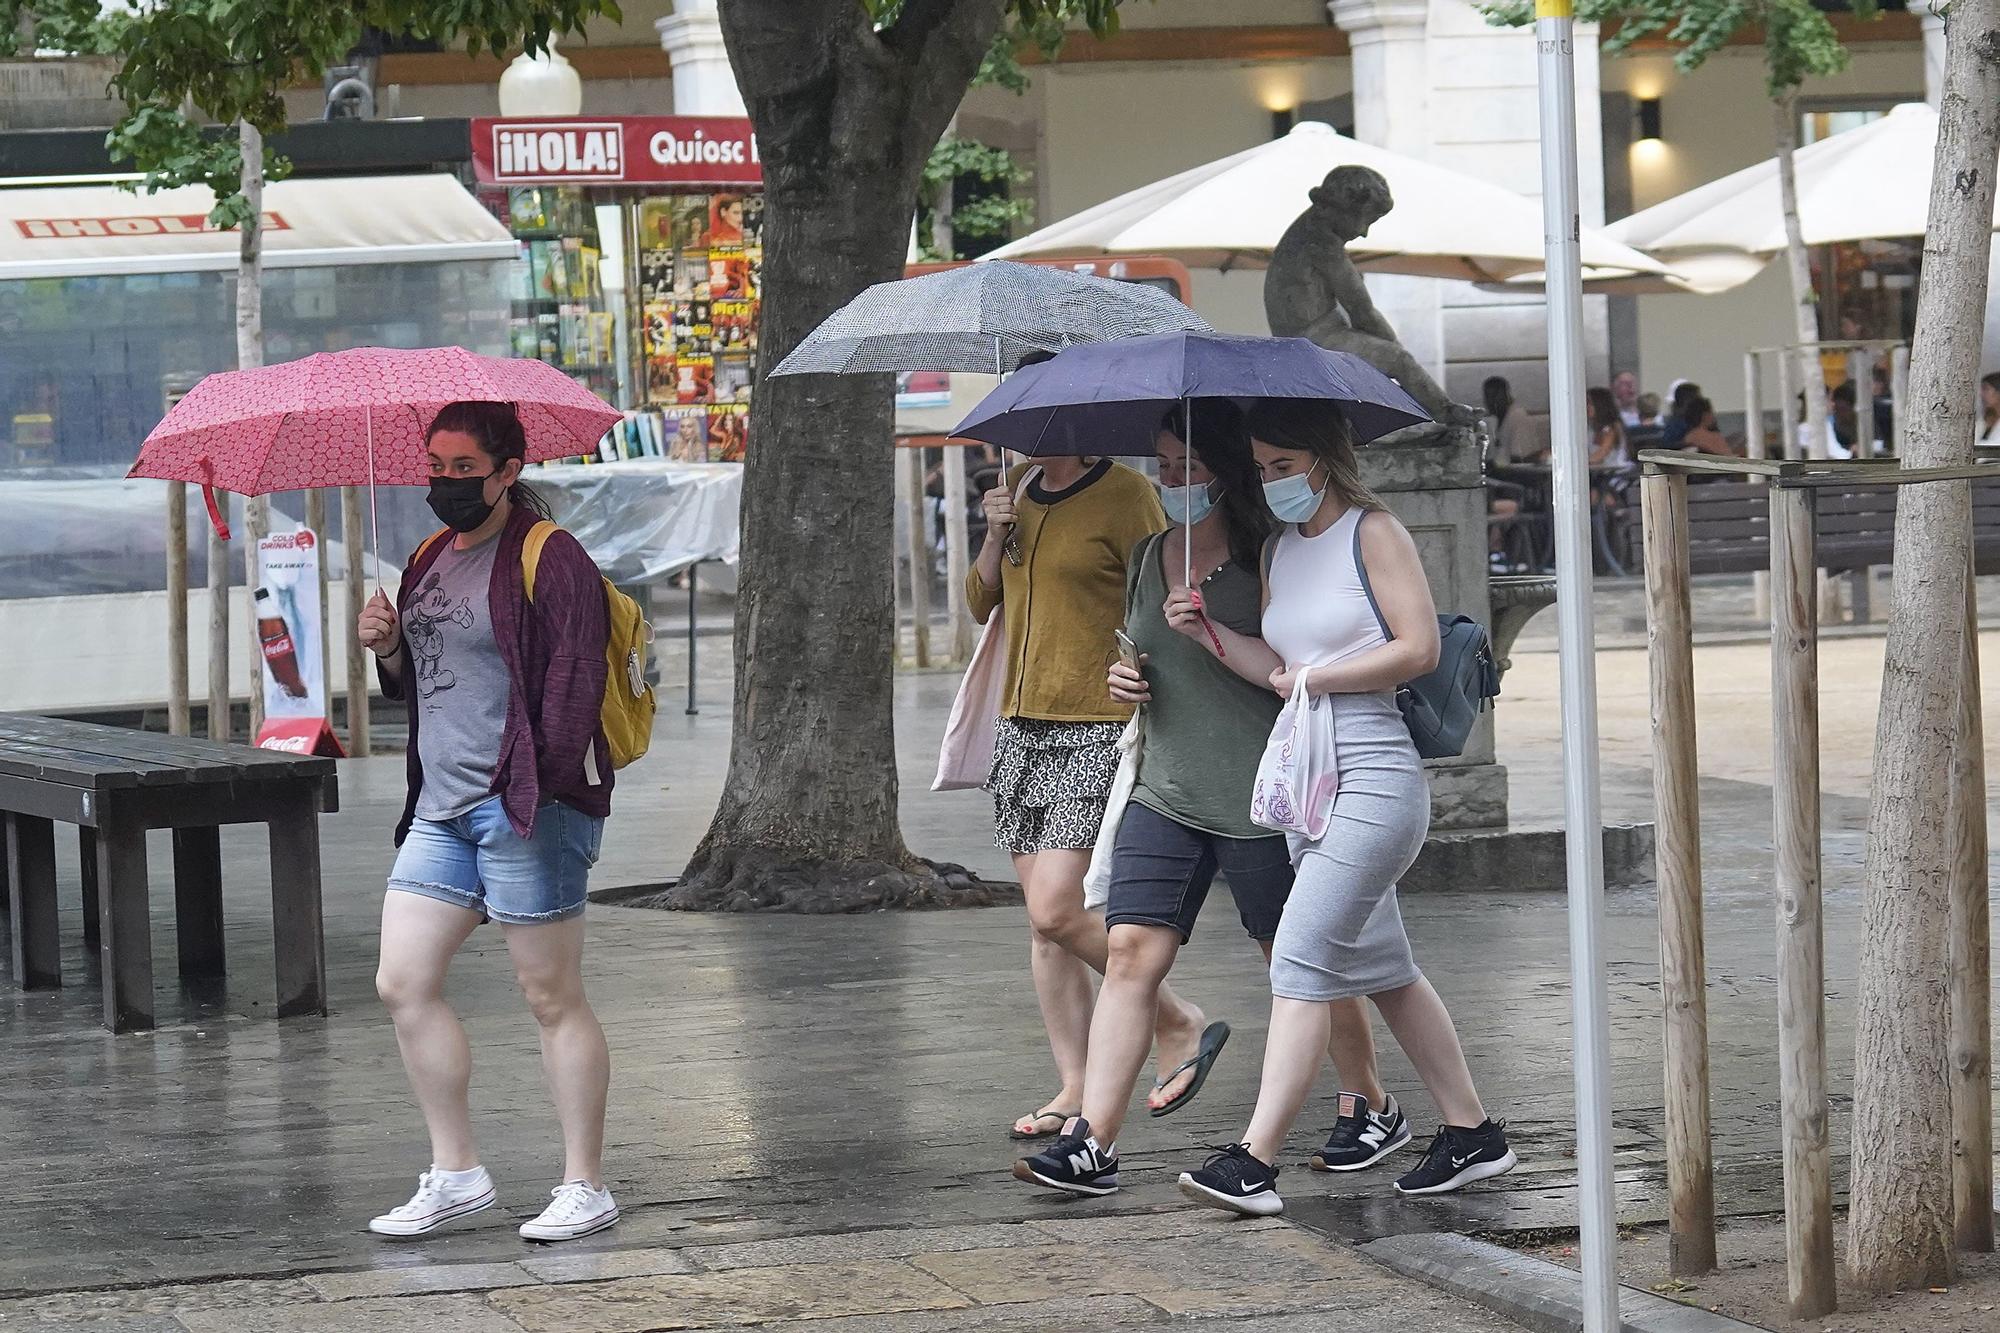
column 477, row 861
column 1161, row 871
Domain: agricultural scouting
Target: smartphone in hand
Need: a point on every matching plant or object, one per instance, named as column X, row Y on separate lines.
column 1128, row 651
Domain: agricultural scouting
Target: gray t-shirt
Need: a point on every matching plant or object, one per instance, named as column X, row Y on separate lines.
column 461, row 681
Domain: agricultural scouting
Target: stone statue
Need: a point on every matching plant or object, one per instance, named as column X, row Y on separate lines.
column 1314, row 291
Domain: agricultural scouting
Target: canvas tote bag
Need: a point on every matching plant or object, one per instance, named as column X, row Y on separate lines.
column 1097, row 879
column 965, row 757
column 1299, row 774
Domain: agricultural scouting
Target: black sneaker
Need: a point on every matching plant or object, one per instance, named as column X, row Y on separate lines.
column 1362, row 1137
column 1458, row 1157
column 1235, row 1181
column 1073, row 1164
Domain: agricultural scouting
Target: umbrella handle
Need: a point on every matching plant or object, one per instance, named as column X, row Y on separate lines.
column 215, row 519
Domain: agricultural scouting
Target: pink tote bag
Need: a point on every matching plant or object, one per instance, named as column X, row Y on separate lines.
column 965, row 758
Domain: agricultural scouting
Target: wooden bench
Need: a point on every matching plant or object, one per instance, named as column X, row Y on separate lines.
column 114, row 784
column 1729, row 527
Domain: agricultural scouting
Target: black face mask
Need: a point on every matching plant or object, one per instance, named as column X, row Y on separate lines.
column 460, row 502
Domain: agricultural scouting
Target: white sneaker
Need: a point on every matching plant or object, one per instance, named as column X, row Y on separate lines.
column 577, row 1210
column 438, row 1200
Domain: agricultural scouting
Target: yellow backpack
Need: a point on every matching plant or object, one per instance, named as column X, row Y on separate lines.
column 626, row 715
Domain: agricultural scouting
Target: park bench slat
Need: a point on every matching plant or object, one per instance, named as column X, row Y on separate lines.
column 67, row 768
column 190, row 753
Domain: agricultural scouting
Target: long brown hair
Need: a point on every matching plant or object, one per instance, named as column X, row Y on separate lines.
column 1223, row 447
column 1307, row 426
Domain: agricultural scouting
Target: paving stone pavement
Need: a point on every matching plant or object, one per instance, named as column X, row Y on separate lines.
column 808, row 1114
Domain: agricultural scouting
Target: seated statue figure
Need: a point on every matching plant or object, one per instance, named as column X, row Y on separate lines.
column 1314, row 291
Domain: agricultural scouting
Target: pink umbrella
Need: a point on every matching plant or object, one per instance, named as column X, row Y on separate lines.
column 356, row 418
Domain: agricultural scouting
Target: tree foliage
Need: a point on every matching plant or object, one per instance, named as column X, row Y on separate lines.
column 1800, row 41
column 184, row 65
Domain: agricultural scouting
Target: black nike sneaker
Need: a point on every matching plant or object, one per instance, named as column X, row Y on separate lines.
column 1074, row 1163
column 1362, row 1137
column 1236, row 1182
column 1457, row 1157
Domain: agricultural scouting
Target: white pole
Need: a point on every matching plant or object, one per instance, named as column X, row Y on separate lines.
column 1556, row 65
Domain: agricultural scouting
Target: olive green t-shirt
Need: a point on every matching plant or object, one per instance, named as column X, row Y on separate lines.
column 1206, row 726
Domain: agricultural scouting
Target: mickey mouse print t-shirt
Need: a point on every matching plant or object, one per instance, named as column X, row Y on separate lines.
column 460, row 679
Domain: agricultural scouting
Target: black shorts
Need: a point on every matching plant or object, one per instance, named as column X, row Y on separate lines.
column 1161, row 870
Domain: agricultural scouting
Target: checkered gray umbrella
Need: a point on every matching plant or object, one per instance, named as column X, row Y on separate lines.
column 983, row 317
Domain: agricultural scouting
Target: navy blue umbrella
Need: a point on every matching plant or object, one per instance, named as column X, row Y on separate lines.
column 1109, row 397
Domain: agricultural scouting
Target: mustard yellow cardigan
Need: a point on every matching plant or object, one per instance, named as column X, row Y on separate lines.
column 1067, row 595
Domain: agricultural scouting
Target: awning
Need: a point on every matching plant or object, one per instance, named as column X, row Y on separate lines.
column 71, row 231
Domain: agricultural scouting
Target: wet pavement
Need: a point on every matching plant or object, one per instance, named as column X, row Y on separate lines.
column 836, row 1090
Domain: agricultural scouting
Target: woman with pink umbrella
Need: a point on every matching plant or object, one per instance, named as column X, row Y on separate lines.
column 496, row 644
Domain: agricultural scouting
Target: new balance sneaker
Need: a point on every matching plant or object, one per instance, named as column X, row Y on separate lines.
column 575, row 1210
column 1362, row 1137
column 441, row 1197
column 1236, row 1182
column 1457, row 1157
column 1074, row 1163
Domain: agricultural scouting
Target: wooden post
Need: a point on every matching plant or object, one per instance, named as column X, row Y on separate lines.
column 919, row 553
column 358, row 591
column 1754, row 447
column 1801, row 938
column 1899, row 397
column 256, row 524
column 177, row 609
column 316, row 521
column 218, row 628
column 1788, row 398
column 1971, row 1066
column 899, row 580
column 957, row 557
column 1677, row 848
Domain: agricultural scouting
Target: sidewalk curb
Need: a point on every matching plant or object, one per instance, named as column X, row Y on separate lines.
column 1534, row 1293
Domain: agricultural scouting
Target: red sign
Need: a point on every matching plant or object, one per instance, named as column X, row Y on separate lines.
column 172, row 224
column 300, row 735
column 629, row 150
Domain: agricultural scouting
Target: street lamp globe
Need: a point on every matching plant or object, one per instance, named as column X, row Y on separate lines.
column 541, row 85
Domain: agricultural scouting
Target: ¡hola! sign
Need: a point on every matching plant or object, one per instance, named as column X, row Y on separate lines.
column 136, row 224
column 630, row 150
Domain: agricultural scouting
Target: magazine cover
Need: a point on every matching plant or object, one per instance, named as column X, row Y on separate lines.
column 695, row 378
column 691, row 222
column 732, row 378
column 656, row 223
column 728, row 432
column 725, row 220
column 728, row 274
column 688, row 442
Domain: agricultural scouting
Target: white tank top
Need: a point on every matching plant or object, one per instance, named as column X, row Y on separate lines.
column 1319, row 612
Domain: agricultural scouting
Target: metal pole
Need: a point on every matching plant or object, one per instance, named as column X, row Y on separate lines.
column 218, row 626
column 359, row 740
column 1556, row 75
column 177, row 609
column 694, row 595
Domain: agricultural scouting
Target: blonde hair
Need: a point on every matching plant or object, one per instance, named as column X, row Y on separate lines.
column 1308, row 426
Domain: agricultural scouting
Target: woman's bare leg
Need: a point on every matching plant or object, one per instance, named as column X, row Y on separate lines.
column 548, row 962
column 419, row 937
column 1423, row 1028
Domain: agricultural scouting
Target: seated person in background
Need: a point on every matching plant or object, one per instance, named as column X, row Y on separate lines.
column 1516, row 438
column 1698, row 430
column 1646, row 435
column 1844, row 422
column 1673, row 433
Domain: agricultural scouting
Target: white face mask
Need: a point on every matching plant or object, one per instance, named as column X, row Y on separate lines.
column 1292, row 499
column 1185, row 504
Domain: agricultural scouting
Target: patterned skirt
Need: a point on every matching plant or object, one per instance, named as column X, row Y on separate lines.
column 1050, row 781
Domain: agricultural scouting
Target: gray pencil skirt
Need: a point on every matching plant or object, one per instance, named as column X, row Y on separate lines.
column 1342, row 934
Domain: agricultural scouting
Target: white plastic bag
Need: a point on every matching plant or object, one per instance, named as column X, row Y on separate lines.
column 1097, row 880
column 1299, row 774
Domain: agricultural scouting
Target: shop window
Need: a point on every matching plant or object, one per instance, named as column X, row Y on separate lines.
column 1867, row 289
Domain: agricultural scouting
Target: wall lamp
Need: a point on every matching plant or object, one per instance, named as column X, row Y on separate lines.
column 1282, row 121
column 1649, row 119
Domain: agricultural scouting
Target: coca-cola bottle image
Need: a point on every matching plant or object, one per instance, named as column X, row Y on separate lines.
column 279, row 655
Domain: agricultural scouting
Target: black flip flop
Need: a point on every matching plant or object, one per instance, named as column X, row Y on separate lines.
column 1213, row 1038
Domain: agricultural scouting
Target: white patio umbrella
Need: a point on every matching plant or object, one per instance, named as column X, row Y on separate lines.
column 1865, row 184
column 1231, row 212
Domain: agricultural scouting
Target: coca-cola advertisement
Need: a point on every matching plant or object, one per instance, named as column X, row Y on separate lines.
column 286, row 611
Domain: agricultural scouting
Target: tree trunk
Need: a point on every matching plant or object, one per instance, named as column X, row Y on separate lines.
column 250, row 354
column 845, row 117
column 1805, row 302
column 1900, row 1224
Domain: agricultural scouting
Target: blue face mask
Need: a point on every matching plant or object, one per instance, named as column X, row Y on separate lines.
column 1185, row 504
column 1292, row 499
